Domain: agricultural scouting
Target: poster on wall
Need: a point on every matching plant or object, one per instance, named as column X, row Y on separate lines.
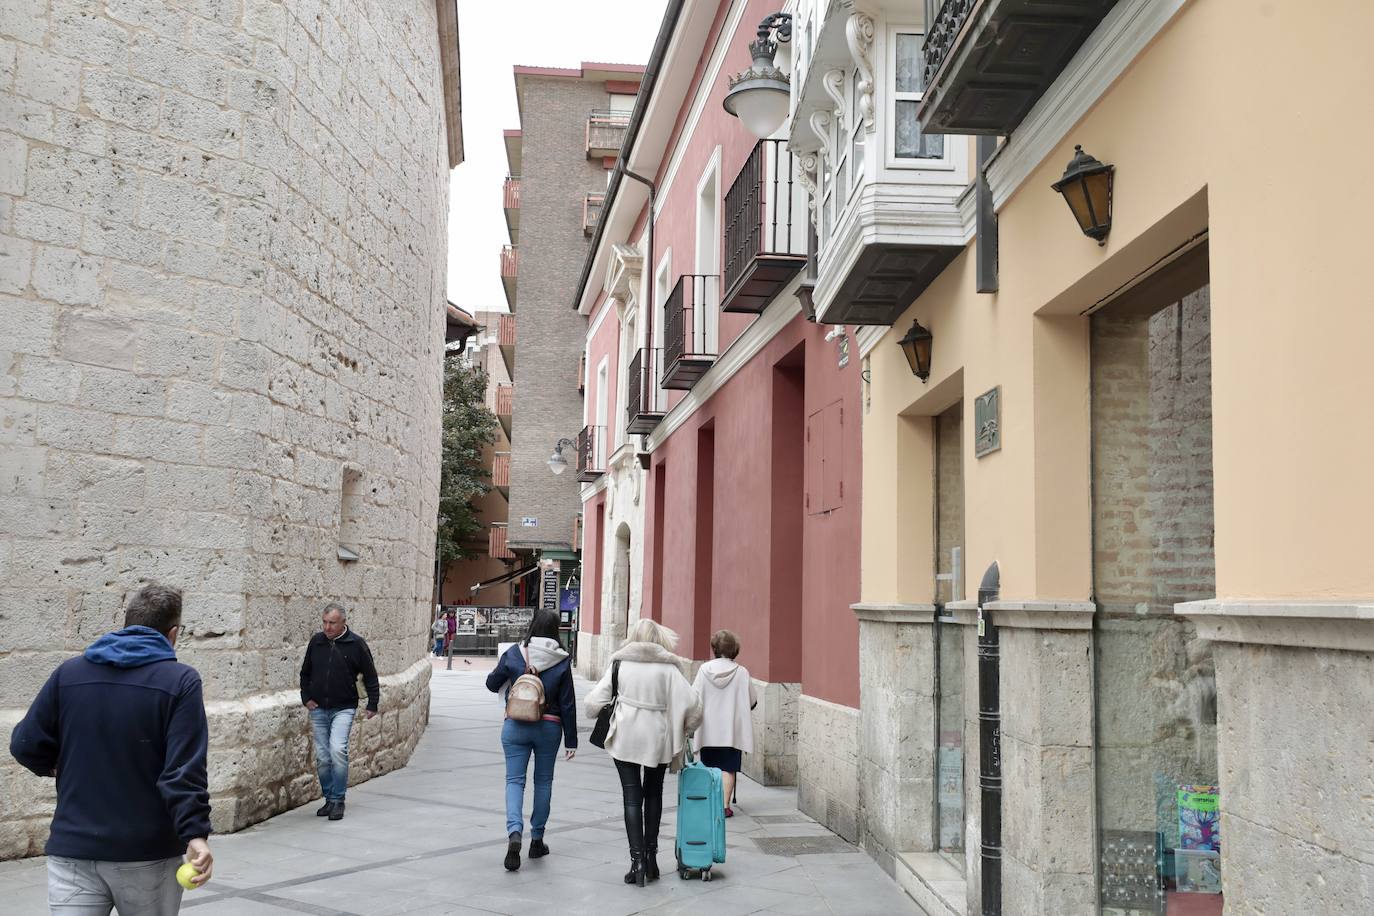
column 1199, row 818
column 467, row 621
column 548, row 584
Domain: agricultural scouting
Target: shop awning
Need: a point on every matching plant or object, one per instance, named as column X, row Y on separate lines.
column 504, row 578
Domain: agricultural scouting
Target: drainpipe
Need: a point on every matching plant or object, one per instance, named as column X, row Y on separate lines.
column 990, row 744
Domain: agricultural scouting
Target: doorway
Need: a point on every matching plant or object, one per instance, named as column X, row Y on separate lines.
column 1153, row 547
column 949, row 636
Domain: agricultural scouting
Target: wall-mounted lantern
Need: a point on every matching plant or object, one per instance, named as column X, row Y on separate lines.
column 1087, row 188
column 557, row 463
column 916, row 345
column 759, row 96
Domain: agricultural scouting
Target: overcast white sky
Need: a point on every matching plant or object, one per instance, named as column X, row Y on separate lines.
column 493, row 37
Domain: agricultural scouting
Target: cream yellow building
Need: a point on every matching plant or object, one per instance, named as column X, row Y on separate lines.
column 1175, row 487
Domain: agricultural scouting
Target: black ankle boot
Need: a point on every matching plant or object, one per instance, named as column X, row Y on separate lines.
column 651, row 863
column 513, row 852
column 634, row 832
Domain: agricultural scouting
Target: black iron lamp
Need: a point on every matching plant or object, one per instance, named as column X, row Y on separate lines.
column 759, row 96
column 1087, row 188
column 557, row 463
column 916, row 345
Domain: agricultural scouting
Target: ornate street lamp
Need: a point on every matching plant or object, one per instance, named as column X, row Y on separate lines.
column 759, row 95
column 1087, row 188
column 917, row 345
column 557, row 463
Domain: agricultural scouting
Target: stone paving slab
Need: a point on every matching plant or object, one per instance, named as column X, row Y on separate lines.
column 430, row 838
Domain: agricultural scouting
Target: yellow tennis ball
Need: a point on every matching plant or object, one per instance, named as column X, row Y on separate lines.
column 184, row 875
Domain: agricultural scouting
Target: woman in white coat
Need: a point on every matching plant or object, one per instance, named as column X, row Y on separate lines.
column 655, row 710
column 727, row 731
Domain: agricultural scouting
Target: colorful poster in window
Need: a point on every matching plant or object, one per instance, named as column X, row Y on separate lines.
column 1199, row 818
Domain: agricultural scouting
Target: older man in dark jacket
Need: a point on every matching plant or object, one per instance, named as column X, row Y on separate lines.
column 334, row 659
column 123, row 729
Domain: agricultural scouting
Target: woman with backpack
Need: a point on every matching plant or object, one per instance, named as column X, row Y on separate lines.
column 654, row 708
column 535, row 678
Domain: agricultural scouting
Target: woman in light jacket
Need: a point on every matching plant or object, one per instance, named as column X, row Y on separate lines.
column 727, row 730
column 542, row 652
column 655, row 710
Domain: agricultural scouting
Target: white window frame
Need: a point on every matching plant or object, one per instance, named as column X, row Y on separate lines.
column 710, row 311
column 603, row 400
column 946, row 161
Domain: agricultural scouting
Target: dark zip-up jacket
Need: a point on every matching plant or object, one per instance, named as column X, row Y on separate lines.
column 329, row 674
column 123, row 729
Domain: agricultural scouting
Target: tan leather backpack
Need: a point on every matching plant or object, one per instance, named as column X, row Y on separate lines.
column 525, row 699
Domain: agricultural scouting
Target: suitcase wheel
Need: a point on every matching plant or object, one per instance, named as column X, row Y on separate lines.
column 706, row 875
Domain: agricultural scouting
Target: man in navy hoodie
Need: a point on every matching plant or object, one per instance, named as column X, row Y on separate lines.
column 122, row 728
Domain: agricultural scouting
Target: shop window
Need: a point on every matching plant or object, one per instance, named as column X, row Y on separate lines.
column 825, row 459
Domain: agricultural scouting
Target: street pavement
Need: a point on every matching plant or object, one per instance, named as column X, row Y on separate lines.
column 430, row 838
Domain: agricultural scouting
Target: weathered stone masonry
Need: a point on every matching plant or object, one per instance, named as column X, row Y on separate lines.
column 222, row 271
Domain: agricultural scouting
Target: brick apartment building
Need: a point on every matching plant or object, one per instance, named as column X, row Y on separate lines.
column 572, row 122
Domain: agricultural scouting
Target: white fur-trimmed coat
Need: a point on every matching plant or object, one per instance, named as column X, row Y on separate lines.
column 657, row 707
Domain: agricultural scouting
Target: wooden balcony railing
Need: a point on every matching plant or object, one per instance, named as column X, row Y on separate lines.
column 511, row 193
column 505, row 400
column 500, row 471
column 690, row 332
column 510, row 261
column 644, row 398
column 591, row 453
column 606, row 131
column 496, row 542
column 765, row 229
column 505, row 331
column 591, row 211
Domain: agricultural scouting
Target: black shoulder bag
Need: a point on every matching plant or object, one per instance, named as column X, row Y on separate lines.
column 603, row 718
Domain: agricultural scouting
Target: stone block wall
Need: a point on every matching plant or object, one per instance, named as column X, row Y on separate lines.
column 1297, row 774
column 828, row 764
column 774, row 761
column 222, row 276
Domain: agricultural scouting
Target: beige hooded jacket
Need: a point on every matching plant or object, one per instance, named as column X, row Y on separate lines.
column 657, row 708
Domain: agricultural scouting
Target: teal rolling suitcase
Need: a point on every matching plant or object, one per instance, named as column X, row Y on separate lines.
column 700, row 819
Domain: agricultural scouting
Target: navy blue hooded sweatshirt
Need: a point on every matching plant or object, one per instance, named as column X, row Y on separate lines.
column 123, row 729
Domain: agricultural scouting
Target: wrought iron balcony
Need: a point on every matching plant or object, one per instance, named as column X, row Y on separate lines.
column 591, row 211
column 605, row 132
column 690, row 332
column 765, row 228
column 987, row 62
column 591, row 453
column 644, row 399
column 510, row 201
column 510, row 270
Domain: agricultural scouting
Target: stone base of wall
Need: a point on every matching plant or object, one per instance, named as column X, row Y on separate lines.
column 262, row 759
column 593, row 654
column 774, row 761
column 827, row 764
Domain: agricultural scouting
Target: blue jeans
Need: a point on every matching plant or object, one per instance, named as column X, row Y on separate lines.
column 438, row 645
column 331, row 749
column 519, row 740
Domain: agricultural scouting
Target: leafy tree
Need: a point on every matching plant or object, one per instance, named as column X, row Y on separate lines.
column 468, row 428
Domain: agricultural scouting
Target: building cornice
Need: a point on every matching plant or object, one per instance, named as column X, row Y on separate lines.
column 744, row 348
column 1047, row 614
column 1109, row 50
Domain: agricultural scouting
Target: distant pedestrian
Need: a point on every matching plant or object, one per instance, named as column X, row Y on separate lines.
column 541, row 654
column 727, row 694
column 334, row 658
column 655, row 710
column 439, row 629
column 124, row 726
column 450, row 629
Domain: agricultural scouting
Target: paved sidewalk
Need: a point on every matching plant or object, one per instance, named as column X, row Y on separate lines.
column 430, row 839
